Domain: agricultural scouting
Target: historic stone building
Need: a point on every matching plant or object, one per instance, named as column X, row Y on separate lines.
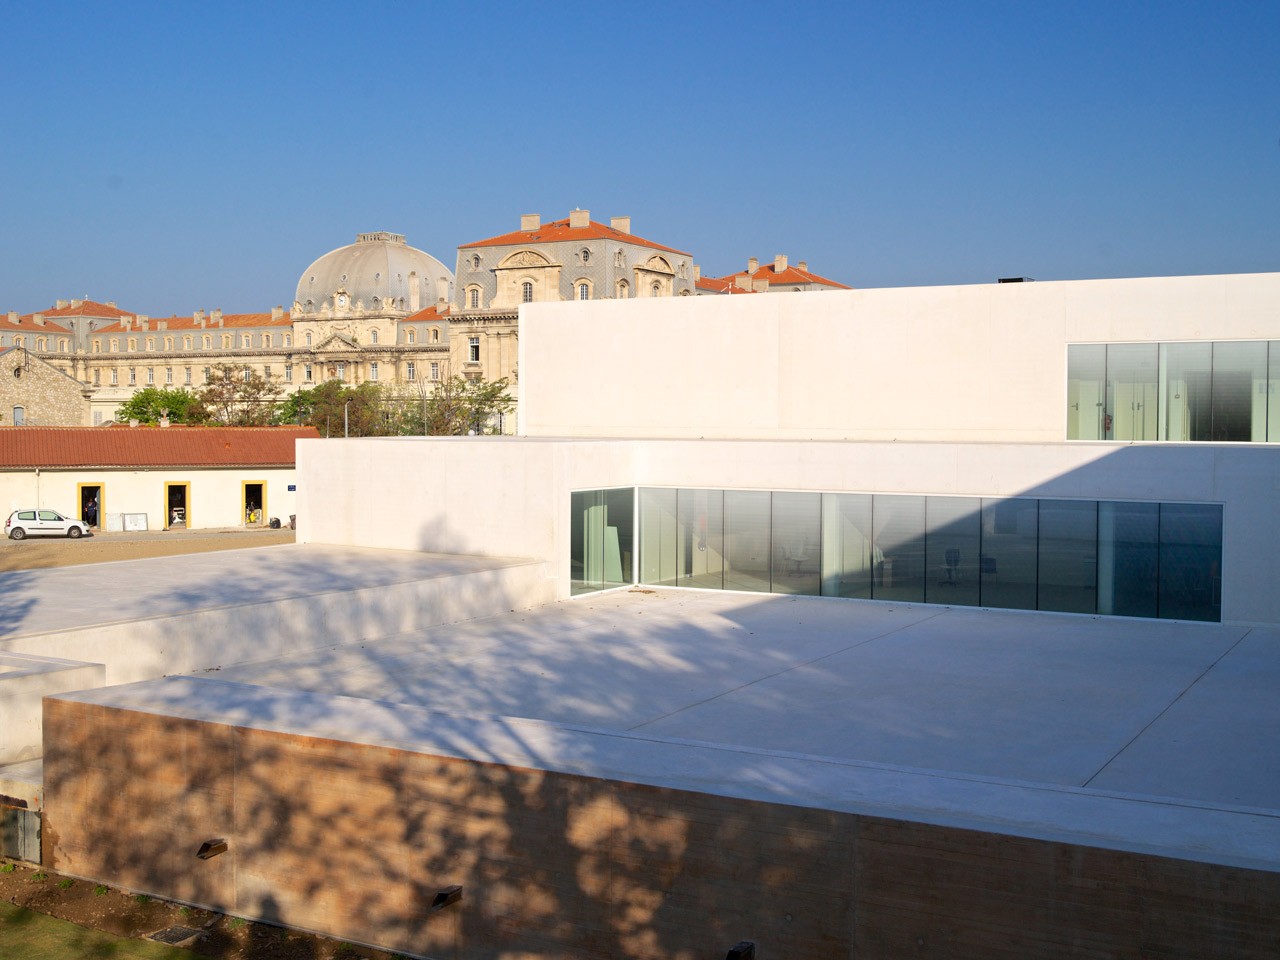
column 35, row 392
column 776, row 277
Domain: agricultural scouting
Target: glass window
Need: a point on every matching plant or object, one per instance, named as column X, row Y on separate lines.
column 186, row 376
column 659, row 536
column 1185, row 379
column 1273, row 391
column 435, row 371
column 306, row 372
column 435, row 334
column 1128, row 558
column 1191, row 561
column 848, row 555
column 1008, row 562
column 288, row 373
column 151, row 375
column 19, row 416
column 1068, row 559
column 168, row 375
column 1131, row 391
column 1239, row 391
column 954, row 543
column 373, row 336
column 115, row 377
column 133, row 376
column 97, row 378
column 601, row 534
column 410, row 336
column 473, row 349
column 584, row 291
column 898, row 547
column 700, row 551
column 797, row 543
column 1086, row 379
column 526, row 292
column 475, row 299
column 747, row 541
column 373, row 370
column 410, row 371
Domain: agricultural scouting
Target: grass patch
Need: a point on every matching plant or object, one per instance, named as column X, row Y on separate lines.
column 99, row 890
column 8, row 868
column 66, row 884
column 39, row 875
column 237, row 922
column 34, row 936
column 141, row 898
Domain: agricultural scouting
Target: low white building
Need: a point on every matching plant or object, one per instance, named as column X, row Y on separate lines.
column 152, row 478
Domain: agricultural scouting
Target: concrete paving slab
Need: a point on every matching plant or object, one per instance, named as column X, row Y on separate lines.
column 1043, row 698
column 45, row 601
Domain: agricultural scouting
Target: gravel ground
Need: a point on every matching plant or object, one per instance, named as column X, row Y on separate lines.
column 38, row 552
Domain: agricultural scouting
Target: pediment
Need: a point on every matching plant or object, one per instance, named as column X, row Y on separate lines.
column 335, row 342
column 524, row 258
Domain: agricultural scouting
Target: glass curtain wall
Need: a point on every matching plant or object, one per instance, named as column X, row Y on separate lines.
column 1223, row 391
column 601, row 536
column 1075, row 556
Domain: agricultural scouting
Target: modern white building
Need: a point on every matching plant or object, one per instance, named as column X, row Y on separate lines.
column 917, row 445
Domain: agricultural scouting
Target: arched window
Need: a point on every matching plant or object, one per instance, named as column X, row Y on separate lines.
column 308, row 338
column 655, row 289
column 475, row 299
column 97, row 346
column 186, row 343
column 206, row 342
column 435, row 334
column 19, row 341
column 410, row 336
column 151, row 344
column 584, row 291
column 622, row 290
column 586, row 255
column 266, row 339
column 373, row 336
column 288, row 339
column 62, row 344
column 168, row 343
column 526, row 292
column 40, row 343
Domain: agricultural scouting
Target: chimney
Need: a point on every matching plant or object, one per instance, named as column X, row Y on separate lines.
column 143, row 320
column 277, row 312
column 697, row 273
column 530, row 221
column 803, row 266
column 579, row 219
column 60, row 305
column 111, row 303
column 761, row 285
column 126, row 323
column 216, row 317
column 162, row 324
column 198, row 317
column 13, row 316
column 743, row 283
column 779, row 262
column 76, row 304
column 38, row 319
column 621, row 224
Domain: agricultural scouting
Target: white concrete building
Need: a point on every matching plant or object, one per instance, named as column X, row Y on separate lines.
column 913, row 445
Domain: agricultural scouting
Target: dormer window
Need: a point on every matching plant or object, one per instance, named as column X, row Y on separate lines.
column 475, row 299
column 584, row 291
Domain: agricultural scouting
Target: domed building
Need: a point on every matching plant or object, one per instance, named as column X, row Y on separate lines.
column 378, row 275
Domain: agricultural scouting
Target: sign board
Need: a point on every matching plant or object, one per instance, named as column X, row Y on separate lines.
column 293, row 487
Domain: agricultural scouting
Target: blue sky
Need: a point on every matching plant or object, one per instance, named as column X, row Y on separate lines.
column 183, row 156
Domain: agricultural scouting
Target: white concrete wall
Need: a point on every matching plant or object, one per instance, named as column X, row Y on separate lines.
column 510, row 496
column 216, row 496
column 981, row 362
column 25, row 680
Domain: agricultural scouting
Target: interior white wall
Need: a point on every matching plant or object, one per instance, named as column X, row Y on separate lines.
column 980, row 362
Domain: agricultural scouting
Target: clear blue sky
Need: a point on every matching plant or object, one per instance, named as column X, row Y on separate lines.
column 181, row 155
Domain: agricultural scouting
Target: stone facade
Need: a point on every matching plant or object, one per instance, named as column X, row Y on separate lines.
column 34, row 392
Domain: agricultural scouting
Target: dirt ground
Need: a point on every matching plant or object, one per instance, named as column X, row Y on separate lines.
column 37, row 552
column 125, row 915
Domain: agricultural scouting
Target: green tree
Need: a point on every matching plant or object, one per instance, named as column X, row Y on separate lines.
column 149, row 404
column 459, row 406
column 237, row 396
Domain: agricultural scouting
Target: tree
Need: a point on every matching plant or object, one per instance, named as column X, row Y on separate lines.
column 237, row 396
column 149, row 404
column 459, row 406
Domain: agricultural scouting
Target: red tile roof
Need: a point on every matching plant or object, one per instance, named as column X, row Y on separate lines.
column 83, row 308
column 721, row 285
column 210, row 326
column 435, row 312
column 788, row 274
column 28, row 324
column 559, row 230
column 61, row 447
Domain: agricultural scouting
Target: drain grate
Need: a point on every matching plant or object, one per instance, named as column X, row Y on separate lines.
column 175, row 936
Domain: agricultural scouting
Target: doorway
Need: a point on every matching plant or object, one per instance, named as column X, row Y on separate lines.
column 253, row 503
column 92, row 503
column 177, row 512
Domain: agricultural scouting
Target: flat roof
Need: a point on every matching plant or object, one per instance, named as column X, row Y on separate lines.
column 1150, row 736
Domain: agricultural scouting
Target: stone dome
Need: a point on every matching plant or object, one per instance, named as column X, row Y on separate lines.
column 379, row 273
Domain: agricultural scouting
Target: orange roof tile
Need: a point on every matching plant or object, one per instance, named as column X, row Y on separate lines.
column 559, row 230
column 721, row 285
column 27, row 324
column 789, row 274
column 62, row 447
column 210, row 326
column 435, row 312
